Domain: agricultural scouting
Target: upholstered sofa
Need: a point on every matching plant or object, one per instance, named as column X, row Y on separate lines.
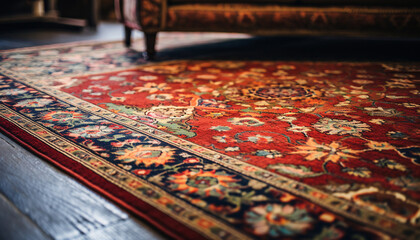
column 349, row 17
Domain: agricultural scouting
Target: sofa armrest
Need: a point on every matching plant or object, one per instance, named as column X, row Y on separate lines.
column 146, row 15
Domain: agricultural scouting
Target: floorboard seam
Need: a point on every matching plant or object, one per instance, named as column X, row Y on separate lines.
column 6, row 141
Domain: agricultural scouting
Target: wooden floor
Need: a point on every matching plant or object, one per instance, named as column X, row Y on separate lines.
column 39, row 201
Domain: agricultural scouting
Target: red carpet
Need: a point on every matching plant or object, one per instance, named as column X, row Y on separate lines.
column 227, row 150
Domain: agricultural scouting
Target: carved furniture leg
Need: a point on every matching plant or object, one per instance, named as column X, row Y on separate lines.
column 150, row 40
column 127, row 32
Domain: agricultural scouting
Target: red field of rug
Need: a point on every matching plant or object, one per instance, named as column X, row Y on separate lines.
column 228, row 149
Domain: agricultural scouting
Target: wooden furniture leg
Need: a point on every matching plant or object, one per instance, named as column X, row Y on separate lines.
column 150, row 41
column 92, row 18
column 127, row 39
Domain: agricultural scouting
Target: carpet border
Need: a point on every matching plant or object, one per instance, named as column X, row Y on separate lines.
column 110, row 191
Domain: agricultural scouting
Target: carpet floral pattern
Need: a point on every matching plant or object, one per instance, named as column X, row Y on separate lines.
column 228, row 149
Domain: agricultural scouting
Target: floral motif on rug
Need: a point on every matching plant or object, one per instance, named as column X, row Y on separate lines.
column 229, row 149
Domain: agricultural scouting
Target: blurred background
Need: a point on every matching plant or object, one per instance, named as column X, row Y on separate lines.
column 69, row 9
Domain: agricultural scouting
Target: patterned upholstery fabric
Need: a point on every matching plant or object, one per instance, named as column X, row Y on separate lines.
column 343, row 17
column 234, row 1
column 272, row 19
column 379, row 3
column 271, row 16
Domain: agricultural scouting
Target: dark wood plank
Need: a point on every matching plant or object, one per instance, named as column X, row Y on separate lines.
column 127, row 230
column 15, row 225
column 60, row 206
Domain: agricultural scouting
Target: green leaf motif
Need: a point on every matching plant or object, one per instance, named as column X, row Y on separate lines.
column 178, row 129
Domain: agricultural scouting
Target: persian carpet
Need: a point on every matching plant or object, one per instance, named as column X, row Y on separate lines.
column 226, row 149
